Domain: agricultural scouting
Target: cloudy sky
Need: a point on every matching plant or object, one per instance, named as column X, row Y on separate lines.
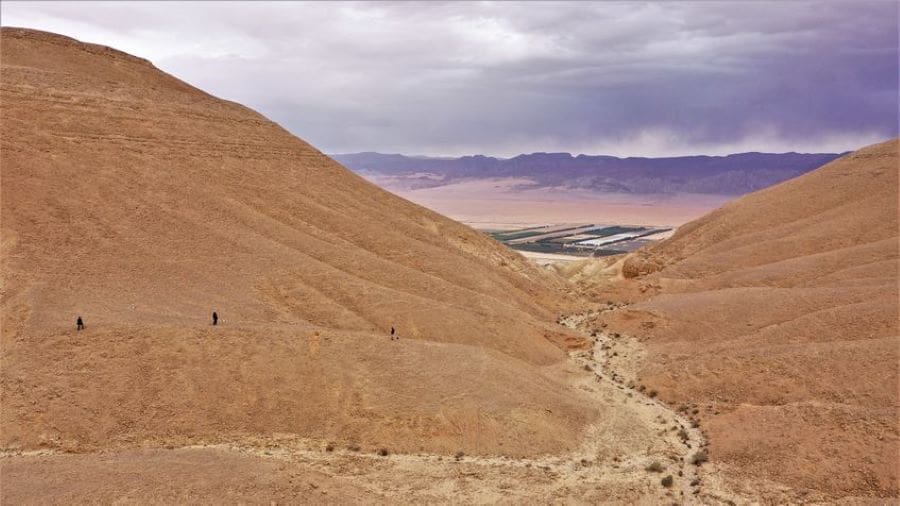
column 629, row 78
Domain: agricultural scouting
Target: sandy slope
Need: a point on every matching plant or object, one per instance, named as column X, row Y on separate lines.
column 614, row 463
column 777, row 314
column 162, row 476
column 143, row 204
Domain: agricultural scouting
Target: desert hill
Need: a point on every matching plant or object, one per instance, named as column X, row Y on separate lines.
column 777, row 317
column 143, row 204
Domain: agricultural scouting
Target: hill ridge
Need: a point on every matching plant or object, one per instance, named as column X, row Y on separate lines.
column 143, row 204
column 776, row 317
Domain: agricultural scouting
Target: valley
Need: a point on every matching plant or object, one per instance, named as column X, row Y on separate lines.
column 688, row 346
column 645, row 451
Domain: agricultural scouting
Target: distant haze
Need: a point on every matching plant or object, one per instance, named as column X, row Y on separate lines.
column 451, row 78
column 735, row 174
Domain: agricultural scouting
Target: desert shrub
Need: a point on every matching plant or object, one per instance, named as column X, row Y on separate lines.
column 667, row 481
column 588, row 368
column 353, row 448
column 695, row 482
column 329, row 447
column 652, row 393
column 695, row 423
column 699, row 458
column 382, row 452
column 654, row 467
column 459, row 455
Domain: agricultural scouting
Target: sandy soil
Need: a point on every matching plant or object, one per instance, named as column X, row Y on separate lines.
column 549, row 258
column 142, row 204
column 622, row 459
column 777, row 316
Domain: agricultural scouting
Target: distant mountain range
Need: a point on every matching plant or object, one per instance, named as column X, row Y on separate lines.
column 735, row 174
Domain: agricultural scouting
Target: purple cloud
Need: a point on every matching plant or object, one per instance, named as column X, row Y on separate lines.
column 502, row 78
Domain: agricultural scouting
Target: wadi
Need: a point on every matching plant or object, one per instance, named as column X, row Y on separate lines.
column 369, row 350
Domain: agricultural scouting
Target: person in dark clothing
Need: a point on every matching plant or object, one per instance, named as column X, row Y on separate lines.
column 79, row 324
column 392, row 333
column 215, row 318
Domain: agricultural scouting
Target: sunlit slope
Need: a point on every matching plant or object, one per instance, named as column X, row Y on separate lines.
column 143, row 204
column 777, row 315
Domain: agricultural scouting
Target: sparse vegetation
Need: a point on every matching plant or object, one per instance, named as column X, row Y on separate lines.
column 353, row 448
column 652, row 393
column 459, row 455
column 329, row 447
column 382, row 452
column 667, row 481
column 654, row 467
column 699, row 458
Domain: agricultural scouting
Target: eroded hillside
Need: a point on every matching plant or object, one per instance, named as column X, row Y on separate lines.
column 775, row 317
column 143, row 204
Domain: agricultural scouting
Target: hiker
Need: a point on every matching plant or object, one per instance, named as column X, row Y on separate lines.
column 79, row 324
column 392, row 333
column 215, row 318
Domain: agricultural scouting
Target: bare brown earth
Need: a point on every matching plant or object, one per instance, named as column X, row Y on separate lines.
column 776, row 318
column 177, row 476
column 143, row 204
column 623, row 459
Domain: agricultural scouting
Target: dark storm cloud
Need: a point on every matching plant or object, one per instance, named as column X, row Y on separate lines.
column 504, row 78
